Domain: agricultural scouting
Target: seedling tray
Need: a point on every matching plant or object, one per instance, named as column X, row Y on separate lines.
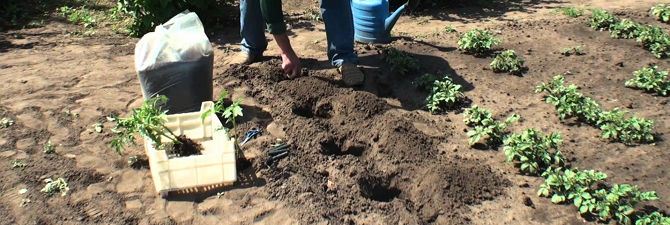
column 216, row 165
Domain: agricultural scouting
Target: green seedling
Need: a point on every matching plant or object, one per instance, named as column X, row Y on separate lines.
column 617, row 203
column 571, row 11
column 477, row 41
column 18, row 164
column 98, row 127
column 534, row 151
column 444, row 95
column 661, row 12
column 400, row 61
column 53, row 187
column 149, row 121
column 574, row 50
column 49, row 148
column 602, row 20
column 6, row 122
column 651, row 79
column 450, row 29
column 230, row 113
column 72, row 114
column 625, row 29
column 509, row 62
column 655, row 39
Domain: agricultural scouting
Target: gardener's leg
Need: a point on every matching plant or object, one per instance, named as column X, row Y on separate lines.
column 340, row 35
column 252, row 30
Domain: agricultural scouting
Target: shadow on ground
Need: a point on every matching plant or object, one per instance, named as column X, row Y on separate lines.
column 381, row 81
column 471, row 11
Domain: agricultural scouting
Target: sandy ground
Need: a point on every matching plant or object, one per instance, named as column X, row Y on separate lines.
column 366, row 155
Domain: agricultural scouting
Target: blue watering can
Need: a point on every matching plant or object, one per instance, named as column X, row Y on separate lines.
column 372, row 23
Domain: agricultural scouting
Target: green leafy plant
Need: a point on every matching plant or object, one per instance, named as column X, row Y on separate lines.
column 569, row 185
column 534, row 151
column 628, row 131
column 571, row 11
column 661, row 12
column 651, row 79
column 654, row 218
column 476, row 115
column 147, row 14
column 576, row 50
column 400, row 61
column 477, row 41
column 149, row 121
column 654, row 39
column 625, row 29
column 570, row 103
column 509, row 62
column 450, row 29
column 617, row 203
column 53, row 187
column 602, row 20
column 427, row 80
column 485, row 126
column 230, row 113
column 49, row 148
column 444, row 95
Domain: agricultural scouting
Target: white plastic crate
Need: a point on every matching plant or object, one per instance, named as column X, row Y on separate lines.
column 216, row 165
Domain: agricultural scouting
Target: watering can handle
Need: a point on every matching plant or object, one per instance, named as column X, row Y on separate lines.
column 412, row 4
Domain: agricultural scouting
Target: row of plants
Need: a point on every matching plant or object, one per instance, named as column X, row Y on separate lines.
column 614, row 125
column 653, row 38
column 480, row 43
column 537, row 154
column 651, row 79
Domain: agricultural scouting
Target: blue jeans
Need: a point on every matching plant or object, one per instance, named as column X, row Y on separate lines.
column 336, row 15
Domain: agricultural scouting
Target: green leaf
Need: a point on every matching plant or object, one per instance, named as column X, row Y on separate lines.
column 557, row 198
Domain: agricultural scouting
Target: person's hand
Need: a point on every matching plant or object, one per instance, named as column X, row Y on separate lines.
column 291, row 65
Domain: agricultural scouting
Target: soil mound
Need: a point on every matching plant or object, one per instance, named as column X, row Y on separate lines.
column 354, row 157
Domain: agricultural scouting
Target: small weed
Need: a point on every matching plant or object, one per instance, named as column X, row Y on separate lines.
column 55, row 186
column 314, row 15
column 18, row 164
column 661, row 12
column 576, row 50
column 6, row 122
column 72, row 114
column 49, row 148
column 571, row 11
column 509, row 62
column 400, row 61
column 477, row 41
column 450, row 29
column 77, row 16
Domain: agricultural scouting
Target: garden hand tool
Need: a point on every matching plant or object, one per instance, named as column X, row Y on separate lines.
column 252, row 133
column 277, row 153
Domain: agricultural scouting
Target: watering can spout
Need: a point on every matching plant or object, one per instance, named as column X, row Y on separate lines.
column 391, row 20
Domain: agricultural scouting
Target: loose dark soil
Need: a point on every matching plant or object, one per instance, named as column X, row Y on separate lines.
column 185, row 147
column 362, row 155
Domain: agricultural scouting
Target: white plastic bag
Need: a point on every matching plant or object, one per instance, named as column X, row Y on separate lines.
column 182, row 38
column 176, row 60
